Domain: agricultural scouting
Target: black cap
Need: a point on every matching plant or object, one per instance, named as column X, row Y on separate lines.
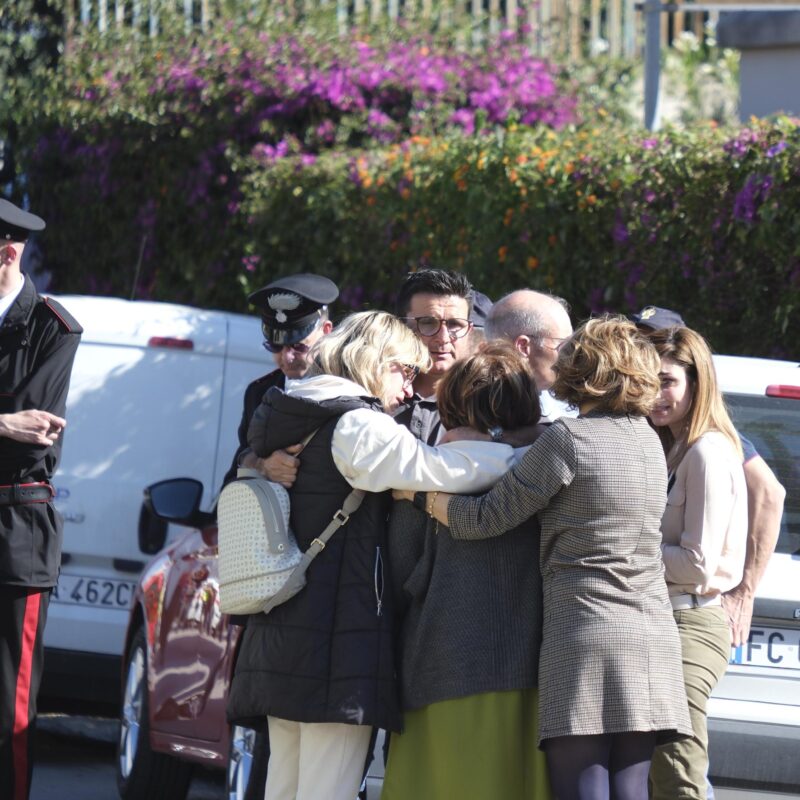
column 657, row 318
column 16, row 224
column 481, row 306
column 291, row 307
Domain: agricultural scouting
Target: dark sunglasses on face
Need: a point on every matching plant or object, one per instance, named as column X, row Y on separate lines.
column 299, row 348
column 430, row 326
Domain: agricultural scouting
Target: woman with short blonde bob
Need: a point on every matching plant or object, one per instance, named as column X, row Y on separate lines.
column 320, row 668
column 608, row 687
column 704, row 531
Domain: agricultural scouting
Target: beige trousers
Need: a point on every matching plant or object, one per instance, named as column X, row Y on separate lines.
column 678, row 770
column 315, row 760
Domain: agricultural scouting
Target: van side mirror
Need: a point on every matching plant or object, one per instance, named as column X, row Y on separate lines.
column 174, row 500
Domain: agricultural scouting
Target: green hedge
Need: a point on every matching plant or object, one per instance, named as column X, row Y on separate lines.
column 152, row 190
column 705, row 222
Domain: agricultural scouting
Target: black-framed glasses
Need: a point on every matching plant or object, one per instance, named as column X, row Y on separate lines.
column 430, row 326
column 410, row 373
column 299, row 348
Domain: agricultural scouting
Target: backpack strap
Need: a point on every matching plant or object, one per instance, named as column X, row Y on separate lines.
column 351, row 504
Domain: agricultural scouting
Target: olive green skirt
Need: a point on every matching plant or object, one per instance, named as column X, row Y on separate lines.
column 481, row 747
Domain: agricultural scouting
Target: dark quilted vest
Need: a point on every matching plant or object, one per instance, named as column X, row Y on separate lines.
column 327, row 654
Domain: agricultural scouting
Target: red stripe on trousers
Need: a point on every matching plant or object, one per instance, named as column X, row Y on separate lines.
column 23, row 696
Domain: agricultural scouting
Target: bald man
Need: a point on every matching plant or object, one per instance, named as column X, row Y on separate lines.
column 537, row 324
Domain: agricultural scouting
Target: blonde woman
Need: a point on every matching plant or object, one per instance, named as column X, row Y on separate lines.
column 320, row 668
column 609, row 681
column 704, row 530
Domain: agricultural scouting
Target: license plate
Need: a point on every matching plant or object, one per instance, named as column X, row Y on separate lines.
column 93, row 592
column 769, row 647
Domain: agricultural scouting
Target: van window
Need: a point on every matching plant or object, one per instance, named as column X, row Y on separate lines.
column 773, row 425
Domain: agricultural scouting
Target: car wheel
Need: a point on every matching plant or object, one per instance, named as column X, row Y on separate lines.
column 143, row 774
column 247, row 764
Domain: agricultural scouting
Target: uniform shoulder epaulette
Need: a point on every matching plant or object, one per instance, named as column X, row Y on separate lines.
column 68, row 322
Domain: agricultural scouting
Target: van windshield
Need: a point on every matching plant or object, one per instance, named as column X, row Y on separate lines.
column 773, row 425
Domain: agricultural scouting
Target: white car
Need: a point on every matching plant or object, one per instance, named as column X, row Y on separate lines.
column 754, row 713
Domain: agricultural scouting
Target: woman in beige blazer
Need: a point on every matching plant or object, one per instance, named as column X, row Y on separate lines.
column 610, row 685
column 704, row 530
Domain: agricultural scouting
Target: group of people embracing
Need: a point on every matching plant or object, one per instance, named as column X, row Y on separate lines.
column 529, row 599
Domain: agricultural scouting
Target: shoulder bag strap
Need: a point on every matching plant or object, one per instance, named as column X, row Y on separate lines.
column 350, row 506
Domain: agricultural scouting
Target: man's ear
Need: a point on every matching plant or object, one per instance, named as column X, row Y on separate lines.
column 327, row 326
column 523, row 344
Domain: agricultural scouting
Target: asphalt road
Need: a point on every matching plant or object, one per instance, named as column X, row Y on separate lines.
column 75, row 761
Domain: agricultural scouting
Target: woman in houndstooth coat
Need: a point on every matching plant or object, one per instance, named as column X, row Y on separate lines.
column 609, row 672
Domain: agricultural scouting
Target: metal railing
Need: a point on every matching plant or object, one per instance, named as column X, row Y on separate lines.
column 572, row 29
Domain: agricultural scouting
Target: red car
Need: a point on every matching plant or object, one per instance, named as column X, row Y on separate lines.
column 178, row 661
column 177, row 665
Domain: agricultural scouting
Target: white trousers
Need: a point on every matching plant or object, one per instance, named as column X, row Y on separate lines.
column 315, row 760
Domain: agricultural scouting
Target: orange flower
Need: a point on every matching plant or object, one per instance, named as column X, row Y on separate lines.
column 552, row 240
column 509, row 215
column 522, row 159
column 533, row 262
column 512, row 175
column 591, row 199
column 569, row 168
column 405, row 193
column 461, row 186
column 502, row 252
column 371, row 200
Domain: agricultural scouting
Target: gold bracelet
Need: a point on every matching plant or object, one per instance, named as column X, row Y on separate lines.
column 431, row 502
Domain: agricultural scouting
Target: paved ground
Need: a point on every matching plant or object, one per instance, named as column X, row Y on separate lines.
column 75, row 761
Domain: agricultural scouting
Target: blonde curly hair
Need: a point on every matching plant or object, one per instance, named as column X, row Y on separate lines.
column 610, row 363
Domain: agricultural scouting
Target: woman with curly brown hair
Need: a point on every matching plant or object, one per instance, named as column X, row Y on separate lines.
column 609, row 685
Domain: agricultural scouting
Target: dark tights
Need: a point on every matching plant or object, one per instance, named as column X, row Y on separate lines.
column 610, row 766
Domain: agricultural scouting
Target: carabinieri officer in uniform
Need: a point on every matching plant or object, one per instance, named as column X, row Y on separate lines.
column 38, row 340
column 294, row 315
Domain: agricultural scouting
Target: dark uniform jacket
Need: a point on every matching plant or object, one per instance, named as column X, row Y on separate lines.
column 253, row 396
column 421, row 416
column 38, row 340
column 327, row 654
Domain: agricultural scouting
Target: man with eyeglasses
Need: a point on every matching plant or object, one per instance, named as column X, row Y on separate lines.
column 536, row 324
column 437, row 305
column 294, row 315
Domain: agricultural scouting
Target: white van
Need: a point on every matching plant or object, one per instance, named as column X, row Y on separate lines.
column 754, row 712
column 156, row 391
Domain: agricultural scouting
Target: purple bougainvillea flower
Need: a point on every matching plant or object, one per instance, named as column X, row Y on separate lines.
column 775, row 149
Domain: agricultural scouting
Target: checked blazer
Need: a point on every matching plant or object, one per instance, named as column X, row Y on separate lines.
column 610, row 658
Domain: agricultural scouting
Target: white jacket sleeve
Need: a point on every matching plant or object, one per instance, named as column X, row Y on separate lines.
column 374, row 453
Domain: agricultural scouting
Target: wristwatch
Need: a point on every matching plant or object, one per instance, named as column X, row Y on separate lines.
column 496, row 433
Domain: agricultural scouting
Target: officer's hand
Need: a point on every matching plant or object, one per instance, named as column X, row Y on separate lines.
column 281, row 467
column 32, row 426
